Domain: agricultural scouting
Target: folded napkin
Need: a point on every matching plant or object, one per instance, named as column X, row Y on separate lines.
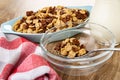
column 21, row 59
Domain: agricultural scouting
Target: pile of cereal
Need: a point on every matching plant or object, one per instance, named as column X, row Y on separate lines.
column 70, row 48
column 48, row 17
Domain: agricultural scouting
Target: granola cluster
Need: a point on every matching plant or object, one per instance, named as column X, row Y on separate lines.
column 71, row 48
column 48, row 17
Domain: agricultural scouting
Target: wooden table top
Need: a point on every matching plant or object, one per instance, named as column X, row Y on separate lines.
column 10, row 9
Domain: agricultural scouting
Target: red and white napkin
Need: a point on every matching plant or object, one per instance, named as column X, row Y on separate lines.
column 21, row 59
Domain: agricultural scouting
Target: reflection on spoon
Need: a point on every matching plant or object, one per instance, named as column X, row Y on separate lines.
column 104, row 49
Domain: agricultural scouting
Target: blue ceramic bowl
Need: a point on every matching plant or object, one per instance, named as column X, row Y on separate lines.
column 7, row 26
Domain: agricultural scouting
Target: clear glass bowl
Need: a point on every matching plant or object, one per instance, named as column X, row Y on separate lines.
column 92, row 36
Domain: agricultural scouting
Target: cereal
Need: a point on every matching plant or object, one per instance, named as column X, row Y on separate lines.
column 29, row 21
column 63, row 52
column 70, row 48
column 48, row 17
column 81, row 52
column 71, row 54
column 74, row 41
column 23, row 26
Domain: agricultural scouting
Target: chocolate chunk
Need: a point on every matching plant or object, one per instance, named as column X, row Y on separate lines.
column 75, row 48
column 52, row 10
column 23, row 19
column 58, row 47
column 82, row 46
column 68, row 17
column 81, row 16
column 29, row 13
column 62, row 12
column 75, row 42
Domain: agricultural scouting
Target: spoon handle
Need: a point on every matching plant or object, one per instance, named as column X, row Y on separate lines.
column 106, row 49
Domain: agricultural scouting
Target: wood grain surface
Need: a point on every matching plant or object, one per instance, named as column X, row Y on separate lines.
column 10, row 9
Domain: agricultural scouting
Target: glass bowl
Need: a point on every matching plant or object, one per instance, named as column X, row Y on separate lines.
column 92, row 36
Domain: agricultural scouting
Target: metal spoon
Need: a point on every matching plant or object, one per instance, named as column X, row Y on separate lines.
column 96, row 50
column 104, row 49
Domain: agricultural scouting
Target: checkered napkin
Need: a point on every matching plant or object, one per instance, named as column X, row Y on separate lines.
column 21, row 59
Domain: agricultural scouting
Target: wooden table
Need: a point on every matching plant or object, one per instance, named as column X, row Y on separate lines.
column 10, row 9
